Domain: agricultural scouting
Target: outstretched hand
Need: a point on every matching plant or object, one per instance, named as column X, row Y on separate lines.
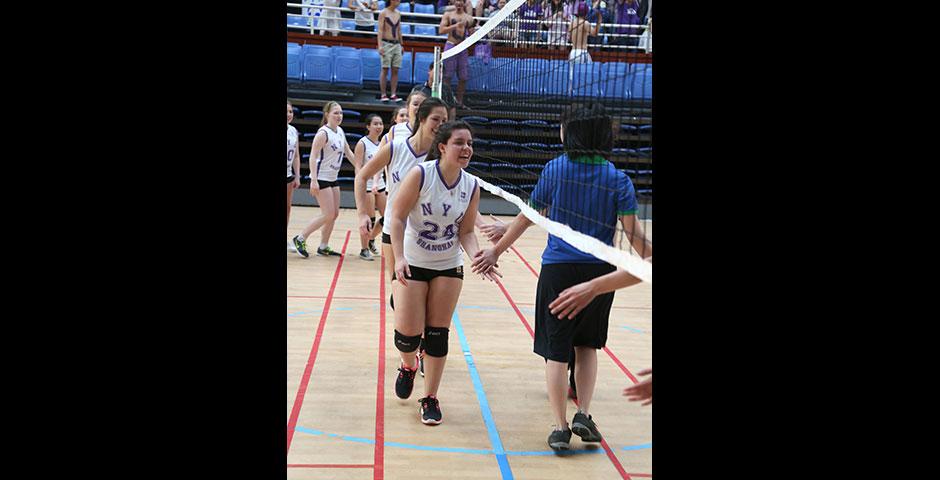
column 494, row 231
column 641, row 391
column 484, row 261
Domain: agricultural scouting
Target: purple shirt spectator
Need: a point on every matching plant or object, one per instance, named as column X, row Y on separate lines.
column 529, row 12
column 626, row 14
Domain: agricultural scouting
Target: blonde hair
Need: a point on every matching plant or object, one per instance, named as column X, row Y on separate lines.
column 326, row 111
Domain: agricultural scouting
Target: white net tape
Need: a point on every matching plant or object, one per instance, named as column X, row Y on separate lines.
column 633, row 264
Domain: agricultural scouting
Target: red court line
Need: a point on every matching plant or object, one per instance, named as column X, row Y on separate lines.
column 337, row 297
column 523, row 260
column 325, row 465
column 610, row 454
column 379, row 461
column 302, row 389
column 609, row 353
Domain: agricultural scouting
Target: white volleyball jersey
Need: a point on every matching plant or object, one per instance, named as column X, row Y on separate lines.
column 403, row 159
column 370, row 150
column 396, row 130
column 331, row 155
column 432, row 236
column 291, row 148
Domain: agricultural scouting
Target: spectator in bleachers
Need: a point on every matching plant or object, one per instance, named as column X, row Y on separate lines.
column 579, row 29
column 599, row 13
column 557, row 15
column 457, row 24
column 532, row 11
column 329, row 19
column 388, row 43
column 625, row 14
column 365, row 15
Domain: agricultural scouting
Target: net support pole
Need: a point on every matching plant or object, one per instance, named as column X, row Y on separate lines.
column 436, row 81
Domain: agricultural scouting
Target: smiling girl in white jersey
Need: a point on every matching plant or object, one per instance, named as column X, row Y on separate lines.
column 432, row 217
column 293, row 159
column 329, row 146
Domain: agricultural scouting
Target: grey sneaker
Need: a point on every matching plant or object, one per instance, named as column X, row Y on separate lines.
column 560, row 439
column 583, row 426
column 364, row 254
column 372, row 248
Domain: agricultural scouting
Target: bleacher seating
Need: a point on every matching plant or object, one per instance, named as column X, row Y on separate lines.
column 347, row 70
column 294, row 57
column 423, row 61
column 317, row 65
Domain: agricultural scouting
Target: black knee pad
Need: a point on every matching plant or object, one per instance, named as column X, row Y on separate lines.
column 435, row 341
column 371, row 223
column 405, row 343
column 382, row 221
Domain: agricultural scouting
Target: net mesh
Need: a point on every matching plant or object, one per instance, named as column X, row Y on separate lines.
column 560, row 97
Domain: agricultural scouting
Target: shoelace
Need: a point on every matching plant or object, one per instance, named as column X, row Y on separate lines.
column 402, row 371
column 427, row 402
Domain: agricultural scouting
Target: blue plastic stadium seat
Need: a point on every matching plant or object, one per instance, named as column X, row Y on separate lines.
column 475, row 120
column 351, row 115
column 624, row 152
column 507, row 122
column 344, row 51
column 424, row 8
column 423, row 61
column 480, row 142
column 478, row 71
column 317, row 67
column 616, row 80
column 352, row 138
column 405, row 73
column 535, row 146
column 479, row 166
column 347, row 71
column 535, row 123
column 296, row 20
column 627, row 128
column 426, row 29
column 312, row 113
column 641, row 81
column 503, row 75
column 585, row 78
column 503, row 145
column 504, row 167
column 347, row 25
column 371, row 66
column 294, row 56
column 533, row 166
column 645, row 151
column 645, row 129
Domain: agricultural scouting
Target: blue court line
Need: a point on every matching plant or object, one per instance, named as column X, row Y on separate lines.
column 316, row 311
column 631, row 329
column 370, row 441
column 501, row 459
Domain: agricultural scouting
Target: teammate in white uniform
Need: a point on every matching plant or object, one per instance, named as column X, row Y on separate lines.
column 365, row 151
column 293, row 159
column 433, row 214
column 329, row 146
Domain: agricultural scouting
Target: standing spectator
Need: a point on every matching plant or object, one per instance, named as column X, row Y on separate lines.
column 365, row 15
column 329, row 19
column 388, row 43
column 457, row 24
column 579, row 29
column 531, row 10
column 625, row 15
column 599, row 13
column 557, row 14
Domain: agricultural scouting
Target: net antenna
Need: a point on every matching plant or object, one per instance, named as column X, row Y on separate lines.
column 438, row 74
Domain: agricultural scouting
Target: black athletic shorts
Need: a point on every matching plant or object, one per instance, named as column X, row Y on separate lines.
column 386, row 238
column 553, row 337
column 419, row 274
column 290, row 179
column 324, row 184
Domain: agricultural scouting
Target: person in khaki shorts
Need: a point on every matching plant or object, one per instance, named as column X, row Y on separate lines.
column 388, row 44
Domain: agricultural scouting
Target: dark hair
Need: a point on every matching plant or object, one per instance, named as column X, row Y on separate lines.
column 443, row 135
column 395, row 113
column 425, row 110
column 369, row 118
column 588, row 130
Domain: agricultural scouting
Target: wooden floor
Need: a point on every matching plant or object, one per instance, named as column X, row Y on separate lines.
column 345, row 422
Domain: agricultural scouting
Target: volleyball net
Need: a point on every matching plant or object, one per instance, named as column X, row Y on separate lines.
column 527, row 69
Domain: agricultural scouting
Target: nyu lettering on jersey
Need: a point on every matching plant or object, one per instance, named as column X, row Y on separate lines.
column 403, row 159
column 331, row 155
column 291, row 148
column 370, row 150
column 432, row 236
